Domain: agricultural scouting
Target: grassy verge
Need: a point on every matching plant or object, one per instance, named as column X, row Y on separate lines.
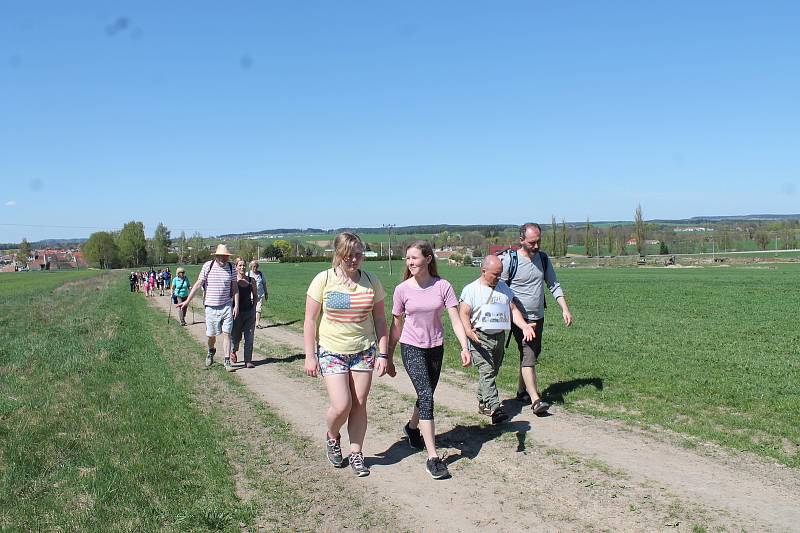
column 109, row 423
column 96, row 433
column 706, row 352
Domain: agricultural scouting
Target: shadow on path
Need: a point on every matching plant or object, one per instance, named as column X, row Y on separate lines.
column 555, row 392
column 287, row 359
column 468, row 440
column 279, row 324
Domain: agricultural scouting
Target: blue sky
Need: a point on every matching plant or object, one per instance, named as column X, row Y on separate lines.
column 238, row 116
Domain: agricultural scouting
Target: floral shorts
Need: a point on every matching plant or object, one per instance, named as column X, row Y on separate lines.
column 341, row 363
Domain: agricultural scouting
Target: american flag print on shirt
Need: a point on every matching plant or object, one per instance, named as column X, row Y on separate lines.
column 349, row 308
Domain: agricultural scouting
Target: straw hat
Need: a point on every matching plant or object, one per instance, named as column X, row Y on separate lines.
column 222, row 250
column 180, row 269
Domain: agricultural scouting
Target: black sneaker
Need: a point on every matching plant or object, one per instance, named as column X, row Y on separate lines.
column 436, row 468
column 414, row 437
column 357, row 464
column 333, row 448
column 499, row 416
column 483, row 410
column 523, row 397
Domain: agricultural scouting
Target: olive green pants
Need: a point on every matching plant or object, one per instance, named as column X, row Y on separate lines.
column 488, row 358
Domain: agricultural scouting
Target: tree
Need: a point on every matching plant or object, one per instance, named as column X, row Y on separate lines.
column 101, row 250
column 610, row 240
column 663, row 249
column 182, row 245
column 587, row 242
column 640, row 230
column 196, row 245
column 246, row 248
column 283, row 247
column 621, row 244
column 161, row 243
column 564, row 240
column 762, row 239
column 554, row 239
column 24, row 251
column 788, row 238
column 132, row 244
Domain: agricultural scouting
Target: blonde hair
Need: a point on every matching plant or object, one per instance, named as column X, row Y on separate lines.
column 426, row 250
column 343, row 246
column 236, row 263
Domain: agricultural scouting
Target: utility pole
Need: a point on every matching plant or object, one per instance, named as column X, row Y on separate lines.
column 389, row 228
column 597, row 245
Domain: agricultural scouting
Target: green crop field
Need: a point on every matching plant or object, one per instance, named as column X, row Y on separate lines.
column 709, row 353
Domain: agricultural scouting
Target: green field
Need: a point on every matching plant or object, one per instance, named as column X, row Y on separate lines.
column 709, row 353
column 109, row 423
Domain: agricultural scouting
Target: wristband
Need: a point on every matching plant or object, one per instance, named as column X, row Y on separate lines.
column 383, row 356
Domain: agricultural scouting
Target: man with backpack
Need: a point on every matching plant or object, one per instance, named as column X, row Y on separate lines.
column 218, row 279
column 527, row 271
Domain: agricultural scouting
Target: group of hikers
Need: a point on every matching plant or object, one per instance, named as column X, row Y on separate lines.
column 148, row 282
column 346, row 338
column 233, row 297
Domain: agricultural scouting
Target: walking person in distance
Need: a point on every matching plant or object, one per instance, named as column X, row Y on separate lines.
column 218, row 279
column 244, row 324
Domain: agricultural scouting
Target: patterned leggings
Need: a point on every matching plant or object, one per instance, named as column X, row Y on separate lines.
column 423, row 366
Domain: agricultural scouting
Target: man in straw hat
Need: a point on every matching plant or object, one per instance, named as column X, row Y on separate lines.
column 218, row 279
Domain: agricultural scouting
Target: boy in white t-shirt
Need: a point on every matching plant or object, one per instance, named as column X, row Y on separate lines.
column 487, row 310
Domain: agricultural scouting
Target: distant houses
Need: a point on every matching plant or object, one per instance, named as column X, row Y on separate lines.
column 43, row 260
column 653, row 242
column 691, row 229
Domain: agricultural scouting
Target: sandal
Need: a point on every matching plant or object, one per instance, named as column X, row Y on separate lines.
column 540, row 407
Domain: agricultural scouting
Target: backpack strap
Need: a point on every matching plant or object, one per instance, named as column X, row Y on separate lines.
column 512, row 266
column 545, row 266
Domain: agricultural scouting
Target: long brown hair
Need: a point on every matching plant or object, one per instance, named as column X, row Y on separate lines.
column 427, row 251
column 343, row 246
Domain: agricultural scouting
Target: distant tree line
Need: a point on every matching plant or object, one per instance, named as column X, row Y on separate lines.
column 130, row 248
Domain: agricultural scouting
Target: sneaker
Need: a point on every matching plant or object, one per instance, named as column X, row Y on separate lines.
column 249, row 365
column 414, row 437
column 357, row 464
column 333, row 449
column 183, row 323
column 499, row 416
column 436, row 468
column 523, row 397
column 228, row 365
column 483, row 410
column 540, row 407
column 234, row 357
column 210, row 357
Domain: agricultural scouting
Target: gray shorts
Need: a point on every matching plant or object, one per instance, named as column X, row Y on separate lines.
column 219, row 319
column 529, row 350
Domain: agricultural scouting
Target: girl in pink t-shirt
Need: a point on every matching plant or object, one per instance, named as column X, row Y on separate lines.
column 417, row 308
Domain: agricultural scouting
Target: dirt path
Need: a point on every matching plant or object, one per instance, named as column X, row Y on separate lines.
column 562, row 472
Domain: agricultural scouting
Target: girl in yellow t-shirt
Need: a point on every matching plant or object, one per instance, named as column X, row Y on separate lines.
column 345, row 339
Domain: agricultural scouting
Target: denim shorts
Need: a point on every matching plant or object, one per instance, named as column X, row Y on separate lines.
column 341, row 363
column 219, row 319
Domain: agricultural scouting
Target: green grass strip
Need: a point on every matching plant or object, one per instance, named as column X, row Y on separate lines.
column 96, row 434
